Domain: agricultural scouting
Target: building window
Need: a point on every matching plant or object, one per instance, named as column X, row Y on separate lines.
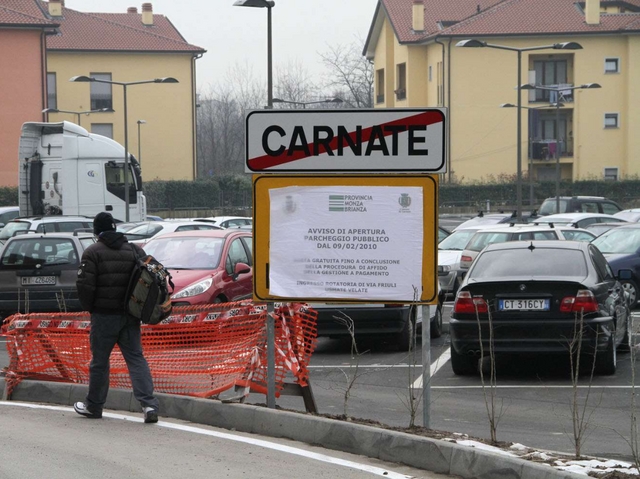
column 611, row 120
column 401, row 81
column 612, row 65
column 550, row 73
column 101, row 92
column 52, row 94
column 611, row 174
column 380, row 86
column 430, row 73
column 104, row 129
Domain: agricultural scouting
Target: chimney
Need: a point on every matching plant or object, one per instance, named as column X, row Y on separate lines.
column 55, row 8
column 592, row 12
column 132, row 10
column 147, row 14
column 418, row 15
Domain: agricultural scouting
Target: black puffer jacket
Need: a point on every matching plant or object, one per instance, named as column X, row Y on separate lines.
column 104, row 273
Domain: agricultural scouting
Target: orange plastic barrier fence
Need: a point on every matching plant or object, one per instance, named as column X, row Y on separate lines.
column 198, row 351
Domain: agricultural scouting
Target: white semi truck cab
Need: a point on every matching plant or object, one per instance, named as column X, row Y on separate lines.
column 65, row 170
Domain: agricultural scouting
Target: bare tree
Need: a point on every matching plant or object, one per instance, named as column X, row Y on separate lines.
column 350, row 74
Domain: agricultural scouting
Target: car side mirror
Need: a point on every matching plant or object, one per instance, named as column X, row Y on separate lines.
column 241, row 268
column 624, row 274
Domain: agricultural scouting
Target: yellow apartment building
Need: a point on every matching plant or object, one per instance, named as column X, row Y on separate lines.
column 127, row 47
column 594, row 133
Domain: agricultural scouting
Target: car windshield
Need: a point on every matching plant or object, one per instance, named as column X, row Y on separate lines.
column 457, row 240
column 186, row 252
column 480, row 240
column 528, row 263
column 13, row 226
column 28, row 252
column 619, row 241
column 548, row 207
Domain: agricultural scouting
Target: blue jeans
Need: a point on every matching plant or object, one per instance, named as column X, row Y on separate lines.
column 107, row 330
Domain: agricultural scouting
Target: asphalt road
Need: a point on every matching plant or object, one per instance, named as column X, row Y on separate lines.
column 54, row 442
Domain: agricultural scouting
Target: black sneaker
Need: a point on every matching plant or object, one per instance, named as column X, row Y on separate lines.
column 82, row 409
column 150, row 415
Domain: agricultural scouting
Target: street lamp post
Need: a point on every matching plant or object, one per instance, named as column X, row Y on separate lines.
column 268, row 4
column 78, row 113
column 511, row 105
column 305, row 103
column 124, row 85
column 140, row 122
column 559, row 91
column 556, row 46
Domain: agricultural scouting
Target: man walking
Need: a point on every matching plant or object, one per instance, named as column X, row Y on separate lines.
column 102, row 283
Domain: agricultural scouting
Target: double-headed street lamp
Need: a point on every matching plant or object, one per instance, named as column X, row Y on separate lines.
column 559, row 91
column 305, row 103
column 124, row 86
column 472, row 43
column 511, row 105
column 268, row 4
column 87, row 112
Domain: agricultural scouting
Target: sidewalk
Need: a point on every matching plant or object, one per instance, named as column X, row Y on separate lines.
column 416, row 451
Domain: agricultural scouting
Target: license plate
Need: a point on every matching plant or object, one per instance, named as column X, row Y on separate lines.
column 524, row 305
column 38, row 280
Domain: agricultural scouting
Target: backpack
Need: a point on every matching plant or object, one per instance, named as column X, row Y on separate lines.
column 148, row 298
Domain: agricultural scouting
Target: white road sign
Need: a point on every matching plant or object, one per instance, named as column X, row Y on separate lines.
column 368, row 141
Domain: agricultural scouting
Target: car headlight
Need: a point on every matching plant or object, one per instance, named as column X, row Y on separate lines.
column 194, row 289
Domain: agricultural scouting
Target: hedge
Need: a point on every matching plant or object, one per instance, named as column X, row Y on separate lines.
column 236, row 191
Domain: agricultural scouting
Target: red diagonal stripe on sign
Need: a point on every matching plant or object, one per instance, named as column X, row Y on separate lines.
column 266, row 161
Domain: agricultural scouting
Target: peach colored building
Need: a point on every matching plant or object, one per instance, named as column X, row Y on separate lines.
column 23, row 90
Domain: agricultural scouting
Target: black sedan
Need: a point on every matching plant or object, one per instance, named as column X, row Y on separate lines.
column 537, row 295
column 621, row 247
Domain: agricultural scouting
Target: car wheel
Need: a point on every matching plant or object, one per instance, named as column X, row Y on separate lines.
column 463, row 365
column 631, row 288
column 606, row 361
column 406, row 339
column 436, row 323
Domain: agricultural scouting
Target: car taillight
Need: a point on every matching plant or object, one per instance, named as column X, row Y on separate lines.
column 466, row 259
column 467, row 304
column 584, row 301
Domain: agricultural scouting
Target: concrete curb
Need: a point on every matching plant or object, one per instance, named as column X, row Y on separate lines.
column 416, row 451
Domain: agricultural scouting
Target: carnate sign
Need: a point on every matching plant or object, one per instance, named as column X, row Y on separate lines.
column 368, row 141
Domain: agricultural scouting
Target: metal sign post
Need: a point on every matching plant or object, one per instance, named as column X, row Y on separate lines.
column 426, row 367
column 271, row 357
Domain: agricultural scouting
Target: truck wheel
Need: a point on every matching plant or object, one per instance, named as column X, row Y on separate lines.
column 606, row 361
column 463, row 365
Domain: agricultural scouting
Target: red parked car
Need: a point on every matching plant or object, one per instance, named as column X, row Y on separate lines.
column 207, row 266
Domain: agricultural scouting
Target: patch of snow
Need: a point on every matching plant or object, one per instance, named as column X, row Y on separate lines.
column 485, row 447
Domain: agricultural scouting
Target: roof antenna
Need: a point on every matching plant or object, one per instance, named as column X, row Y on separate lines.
column 531, row 247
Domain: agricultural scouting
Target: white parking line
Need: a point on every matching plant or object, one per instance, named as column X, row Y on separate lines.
column 378, row 471
column 435, row 367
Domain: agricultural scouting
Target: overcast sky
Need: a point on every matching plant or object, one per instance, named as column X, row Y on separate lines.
column 233, row 35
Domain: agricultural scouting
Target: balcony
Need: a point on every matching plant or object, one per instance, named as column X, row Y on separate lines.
column 546, row 96
column 545, row 150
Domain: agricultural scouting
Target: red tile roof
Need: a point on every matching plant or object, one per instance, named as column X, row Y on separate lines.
column 18, row 13
column 506, row 17
column 117, row 32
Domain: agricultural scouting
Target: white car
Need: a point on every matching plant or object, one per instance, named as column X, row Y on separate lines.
column 228, row 221
column 144, row 232
column 632, row 215
column 579, row 220
column 449, row 253
column 488, row 236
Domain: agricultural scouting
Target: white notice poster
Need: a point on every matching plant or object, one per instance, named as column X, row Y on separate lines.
column 346, row 242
